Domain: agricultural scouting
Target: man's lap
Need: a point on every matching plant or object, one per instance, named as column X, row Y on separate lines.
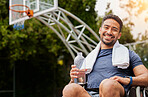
column 91, row 92
column 95, row 92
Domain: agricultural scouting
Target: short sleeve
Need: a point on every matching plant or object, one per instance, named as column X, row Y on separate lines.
column 135, row 60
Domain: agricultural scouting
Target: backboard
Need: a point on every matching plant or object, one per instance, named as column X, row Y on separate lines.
column 38, row 6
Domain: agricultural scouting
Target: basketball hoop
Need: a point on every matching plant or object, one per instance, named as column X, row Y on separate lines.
column 18, row 11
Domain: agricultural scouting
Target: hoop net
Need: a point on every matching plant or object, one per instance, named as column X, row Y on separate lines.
column 20, row 11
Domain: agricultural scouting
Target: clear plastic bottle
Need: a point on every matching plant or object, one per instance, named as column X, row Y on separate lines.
column 78, row 61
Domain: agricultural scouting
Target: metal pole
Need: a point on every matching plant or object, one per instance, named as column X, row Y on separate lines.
column 14, row 81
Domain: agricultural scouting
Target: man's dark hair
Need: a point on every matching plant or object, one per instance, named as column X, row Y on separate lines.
column 116, row 18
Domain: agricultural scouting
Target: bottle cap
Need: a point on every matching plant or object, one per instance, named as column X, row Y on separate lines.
column 79, row 53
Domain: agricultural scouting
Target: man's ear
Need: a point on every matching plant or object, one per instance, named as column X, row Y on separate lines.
column 119, row 35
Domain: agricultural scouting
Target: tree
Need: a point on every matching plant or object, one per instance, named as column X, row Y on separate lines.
column 34, row 51
column 142, row 49
column 84, row 9
column 134, row 8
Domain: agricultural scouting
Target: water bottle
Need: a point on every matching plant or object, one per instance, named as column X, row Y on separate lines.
column 78, row 61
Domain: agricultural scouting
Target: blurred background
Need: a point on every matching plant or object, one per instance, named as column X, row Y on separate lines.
column 35, row 63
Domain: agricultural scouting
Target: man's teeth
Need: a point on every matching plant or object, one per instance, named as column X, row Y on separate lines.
column 108, row 36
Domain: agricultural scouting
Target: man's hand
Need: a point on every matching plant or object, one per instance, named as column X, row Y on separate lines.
column 73, row 73
column 122, row 80
column 76, row 73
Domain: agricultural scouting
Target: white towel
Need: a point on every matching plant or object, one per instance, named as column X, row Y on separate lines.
column 120, row 57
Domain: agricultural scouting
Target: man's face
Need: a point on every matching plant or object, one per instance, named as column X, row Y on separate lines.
column 109, row 32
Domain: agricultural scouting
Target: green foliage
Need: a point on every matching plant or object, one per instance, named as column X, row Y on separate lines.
column 142, row 49
column 134, row 9
column 33, row 50
column 23, row 43
column 78, row 8
column 126, row 36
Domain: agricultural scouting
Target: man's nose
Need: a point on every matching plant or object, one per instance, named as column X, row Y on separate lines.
column 109, row 31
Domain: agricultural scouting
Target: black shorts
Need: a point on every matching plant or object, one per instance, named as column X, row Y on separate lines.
column 93, row 92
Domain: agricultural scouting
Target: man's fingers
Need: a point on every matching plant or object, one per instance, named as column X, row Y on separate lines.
column 114, row 77
column 74, row 69
column 74, row 73
column 77, row 74
column 73, row 76
column 73, row 66
column 119, row 79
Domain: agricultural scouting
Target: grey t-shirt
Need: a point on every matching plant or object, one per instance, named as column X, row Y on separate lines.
column 103, row 68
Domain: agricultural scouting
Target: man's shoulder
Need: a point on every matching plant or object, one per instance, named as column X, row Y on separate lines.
column 135, row 59
column 132, row 53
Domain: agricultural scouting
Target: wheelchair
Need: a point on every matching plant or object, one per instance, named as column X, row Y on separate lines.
column 138, row 91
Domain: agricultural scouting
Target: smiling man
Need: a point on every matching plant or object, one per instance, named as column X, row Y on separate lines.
column 106, row 79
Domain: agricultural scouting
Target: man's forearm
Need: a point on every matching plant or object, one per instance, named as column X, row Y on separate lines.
column 141, row 80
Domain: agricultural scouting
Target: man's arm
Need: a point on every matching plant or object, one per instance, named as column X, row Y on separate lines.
column 141, row 76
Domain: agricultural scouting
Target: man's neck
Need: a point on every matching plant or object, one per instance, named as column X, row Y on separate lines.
column 103, row 46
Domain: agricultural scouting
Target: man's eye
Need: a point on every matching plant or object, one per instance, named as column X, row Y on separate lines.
column 106, row 27
column 115, row 30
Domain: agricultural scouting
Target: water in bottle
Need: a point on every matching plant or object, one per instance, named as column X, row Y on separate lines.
column 78, row 61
